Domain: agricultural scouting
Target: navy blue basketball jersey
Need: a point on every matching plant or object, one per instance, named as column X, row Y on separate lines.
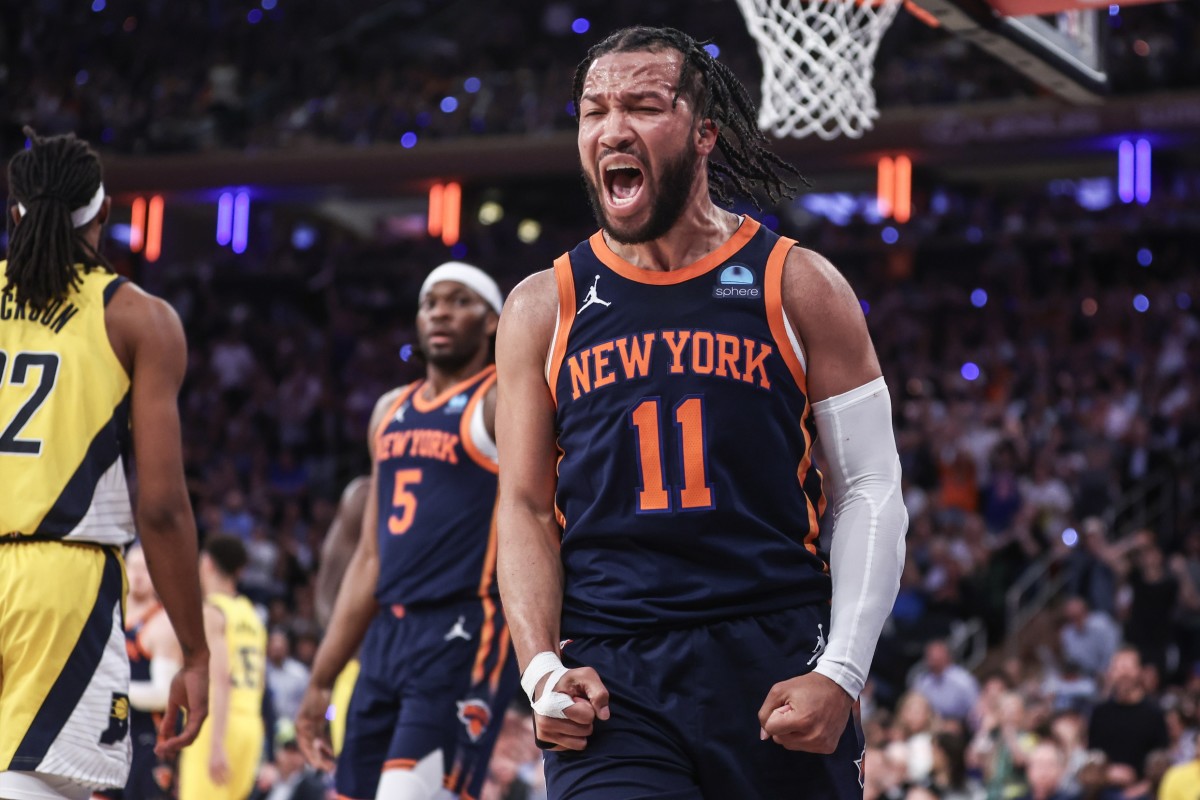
column 686, row 487
column 437, row 498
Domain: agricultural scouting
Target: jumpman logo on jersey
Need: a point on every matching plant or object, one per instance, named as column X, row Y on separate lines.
column 819, row 650
column 400, row 414
column 458, row 631
column 592, row 298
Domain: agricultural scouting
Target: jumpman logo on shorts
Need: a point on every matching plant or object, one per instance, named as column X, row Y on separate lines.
column 458, row 631
column 819, row 650
column 591, row 297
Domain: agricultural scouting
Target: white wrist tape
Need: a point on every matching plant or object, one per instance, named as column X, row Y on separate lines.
column 551, row 703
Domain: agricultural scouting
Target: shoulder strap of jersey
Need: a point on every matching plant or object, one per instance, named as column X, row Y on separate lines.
column 111, row 289
column 564, row 279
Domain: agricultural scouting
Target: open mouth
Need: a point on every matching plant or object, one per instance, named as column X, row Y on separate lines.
column 624, row 183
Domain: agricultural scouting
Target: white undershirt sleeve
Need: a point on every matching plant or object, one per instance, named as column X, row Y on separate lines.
column 152, row 695
column 869, row 521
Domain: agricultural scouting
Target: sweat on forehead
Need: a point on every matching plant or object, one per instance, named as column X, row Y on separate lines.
column 639, row 71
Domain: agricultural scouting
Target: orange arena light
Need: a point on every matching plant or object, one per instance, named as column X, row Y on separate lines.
column 886, row 187
column 154, row 221
column 137, row 225
column 435, row 209
column 902, row 198
column 451, row 213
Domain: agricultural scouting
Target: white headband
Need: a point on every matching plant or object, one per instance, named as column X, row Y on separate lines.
column 81, row 216
column 472, row 277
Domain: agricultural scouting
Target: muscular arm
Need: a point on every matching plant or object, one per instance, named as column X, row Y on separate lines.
column 853, row 414
column 148, row 338
column 340, row 544
column 529, row 564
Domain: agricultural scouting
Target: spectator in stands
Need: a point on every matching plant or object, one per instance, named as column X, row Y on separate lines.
column 287, row 777
column 914, row 726
column 951, row 690
column 1044, row 773
column 1001, row 747
column 1092, row 568
column 1127, row 726
column 286, row 676
column 1087, row 638
column 1152, row 611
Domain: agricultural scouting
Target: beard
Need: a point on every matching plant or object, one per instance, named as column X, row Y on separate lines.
column 672, row 191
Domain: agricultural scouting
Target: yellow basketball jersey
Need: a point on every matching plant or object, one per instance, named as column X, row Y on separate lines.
column 64, row 420
column 246, row 642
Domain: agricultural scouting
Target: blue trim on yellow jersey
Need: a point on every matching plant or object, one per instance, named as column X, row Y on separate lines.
column 109, row 444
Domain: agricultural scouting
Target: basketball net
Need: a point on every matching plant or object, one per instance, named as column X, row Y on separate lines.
column 818, row 63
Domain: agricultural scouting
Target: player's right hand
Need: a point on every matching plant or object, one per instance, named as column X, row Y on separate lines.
column 312, row 734
column 591, row 703
column 189, row 693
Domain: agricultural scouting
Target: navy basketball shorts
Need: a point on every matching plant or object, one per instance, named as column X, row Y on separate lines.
column 432, row 679
column 684, row 722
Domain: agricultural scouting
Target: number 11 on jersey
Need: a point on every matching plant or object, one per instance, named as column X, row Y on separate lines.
column 653, row 496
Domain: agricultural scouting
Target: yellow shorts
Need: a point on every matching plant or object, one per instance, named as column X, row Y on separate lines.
column 343, row 690
column 64, row 673
column 243, row 751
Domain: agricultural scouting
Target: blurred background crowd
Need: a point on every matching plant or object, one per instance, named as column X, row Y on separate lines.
column 186, row 75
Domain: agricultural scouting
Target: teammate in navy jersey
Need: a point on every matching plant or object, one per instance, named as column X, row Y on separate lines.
column 420, row 595
column 661, row 390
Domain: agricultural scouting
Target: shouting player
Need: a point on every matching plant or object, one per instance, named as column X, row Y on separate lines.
column 661, row 390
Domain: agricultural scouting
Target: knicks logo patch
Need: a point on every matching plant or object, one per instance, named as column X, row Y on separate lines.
column 118, row 720
column 474, row 715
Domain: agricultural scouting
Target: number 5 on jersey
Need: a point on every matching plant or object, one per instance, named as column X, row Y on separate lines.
column 653, row 496
column 404, row 502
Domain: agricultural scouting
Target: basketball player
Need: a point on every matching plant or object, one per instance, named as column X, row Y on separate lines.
column 341, row 540
column 154, row 658
column 420, row 593
column 84, row 357
column 224, row 761
column 659, row 503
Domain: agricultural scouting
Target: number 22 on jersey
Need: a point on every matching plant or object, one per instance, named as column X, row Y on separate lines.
column 10, row 430
column 653, row 496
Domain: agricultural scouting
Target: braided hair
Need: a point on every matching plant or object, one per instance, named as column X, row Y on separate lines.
column 718, row 95
column 53, row 176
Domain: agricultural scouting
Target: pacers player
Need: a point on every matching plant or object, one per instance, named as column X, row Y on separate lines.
column 340, row 542
column 154, row 658
column 223, row 762
column 420, row 592
column 659, row 504
column 84, row 358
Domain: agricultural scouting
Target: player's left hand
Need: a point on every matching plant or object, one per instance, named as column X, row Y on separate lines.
column 806, row 713
column 189, row 694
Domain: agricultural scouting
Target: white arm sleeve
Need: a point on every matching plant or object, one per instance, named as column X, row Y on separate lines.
column 862, row 472
column 152, row 695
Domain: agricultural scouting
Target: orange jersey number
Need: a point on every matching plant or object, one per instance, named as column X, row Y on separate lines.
column 689, row 420
column 404, row 502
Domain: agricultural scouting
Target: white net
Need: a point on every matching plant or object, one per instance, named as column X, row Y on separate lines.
column 818, row 63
